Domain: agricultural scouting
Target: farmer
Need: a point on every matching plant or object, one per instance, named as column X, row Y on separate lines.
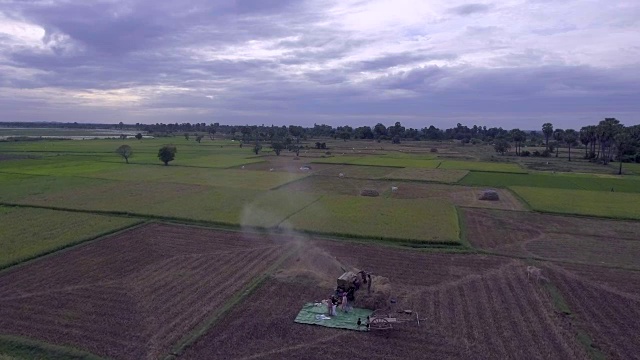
column 334, row 305
column 345, row 302
column 329, row 305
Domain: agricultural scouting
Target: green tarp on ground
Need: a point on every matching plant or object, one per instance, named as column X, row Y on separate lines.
column 317, row 315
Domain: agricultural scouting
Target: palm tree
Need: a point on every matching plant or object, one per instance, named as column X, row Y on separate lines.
column 624, row 144
column 558, row 135
column 547, row 130
column 606, row 130
column 518, row 136
column 570, row 138
column 585, row 139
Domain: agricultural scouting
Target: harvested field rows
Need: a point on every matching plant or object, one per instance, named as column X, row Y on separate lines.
column 133, row 295
column 475, row 307
column 551, row 237
column 611, row 319
column 613, row 280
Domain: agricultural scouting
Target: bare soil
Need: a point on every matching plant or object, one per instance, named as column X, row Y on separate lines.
column 475, row 307
column 609, row 314
column 135, row 294
column 554, row 237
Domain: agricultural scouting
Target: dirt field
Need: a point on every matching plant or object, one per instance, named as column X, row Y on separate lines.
column 565, row 238
column 135, row 294
column 610, row 315
column 475, row 307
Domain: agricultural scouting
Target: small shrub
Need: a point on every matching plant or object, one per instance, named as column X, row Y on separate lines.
column 369, row 192
column 434, row 150
column 525, row 153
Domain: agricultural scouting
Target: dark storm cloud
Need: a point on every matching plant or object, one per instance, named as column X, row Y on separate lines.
column 265, row 6
column 405, row 58
column 469, row 9
column 283, row 61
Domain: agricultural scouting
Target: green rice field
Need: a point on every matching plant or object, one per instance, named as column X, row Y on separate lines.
column 555, row 181
column 413, row 220
column 29, row 232
column 208, row 183
column 582, row 202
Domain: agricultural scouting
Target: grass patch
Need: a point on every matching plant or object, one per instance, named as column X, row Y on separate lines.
column 207, row 204
column 582, row 202
column 235, row 207
column 29, row 232
column 14, row 347
column 201, row 176
column 65, row 165
column 581, row 335
column 355, row 171
column 381, row 161
column 432, row 175
column 482, row 166
column 424, row 220
column 556, row 181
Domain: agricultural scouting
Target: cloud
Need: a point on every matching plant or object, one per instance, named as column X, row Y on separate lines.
column 469, row 9
column 313, row 61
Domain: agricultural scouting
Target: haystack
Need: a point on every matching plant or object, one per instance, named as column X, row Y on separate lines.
column 379, row 296
column 369, row 192
column 490, row 195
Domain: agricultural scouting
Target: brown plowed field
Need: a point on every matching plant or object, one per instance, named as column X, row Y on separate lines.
column 611, row 317
column 135, row 294
column 476, row 307
column 554, row 237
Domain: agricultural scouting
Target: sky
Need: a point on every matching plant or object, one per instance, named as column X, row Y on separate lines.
column 511, row 63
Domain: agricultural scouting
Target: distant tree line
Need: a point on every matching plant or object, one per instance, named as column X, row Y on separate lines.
column 604, row 142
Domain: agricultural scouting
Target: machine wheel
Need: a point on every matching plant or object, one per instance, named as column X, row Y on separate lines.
column 379, row 324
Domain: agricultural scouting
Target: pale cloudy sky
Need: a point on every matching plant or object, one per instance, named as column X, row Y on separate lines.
column 512, row 63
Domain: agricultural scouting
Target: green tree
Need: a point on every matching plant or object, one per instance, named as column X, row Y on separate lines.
column 547, row 131
column 125, row 151
column 199, row 138
column 518, row 137
column 571, row 139
column 212, row 129
column 606, row 131
column 624, row 143
column 186, row 136
column 501, row 146
column 277, row 147
column 139, row 136
column 379, row 130
column 256, row 148
column 585, row 139
column 167, row 153
column 558, row 136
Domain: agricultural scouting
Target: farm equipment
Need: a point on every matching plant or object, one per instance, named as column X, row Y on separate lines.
column 381, row 319
column 348, row 280
column 384, row 320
